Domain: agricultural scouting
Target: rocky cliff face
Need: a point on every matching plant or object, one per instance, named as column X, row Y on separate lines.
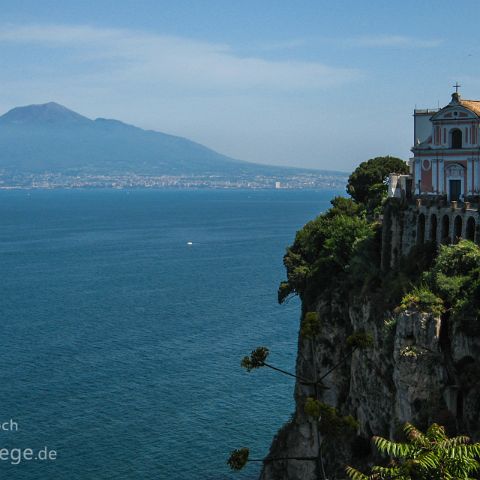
column 421, row 369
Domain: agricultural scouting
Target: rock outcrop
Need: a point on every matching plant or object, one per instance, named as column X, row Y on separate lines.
column 421, row 369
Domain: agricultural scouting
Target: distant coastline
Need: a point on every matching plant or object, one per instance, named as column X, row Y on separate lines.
column 53, row 180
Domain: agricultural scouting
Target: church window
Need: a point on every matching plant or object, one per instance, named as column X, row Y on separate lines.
column 456, row 138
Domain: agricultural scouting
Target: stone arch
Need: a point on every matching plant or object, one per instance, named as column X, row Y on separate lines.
column 457, row 228
column 421, row 229
column 445, row 229
column 470, row 230
column 433, row 228
column 455, row 138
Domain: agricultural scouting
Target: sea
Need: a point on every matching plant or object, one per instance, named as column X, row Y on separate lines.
column 124, row 315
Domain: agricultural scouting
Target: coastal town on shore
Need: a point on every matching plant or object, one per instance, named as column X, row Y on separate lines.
column 54, row 180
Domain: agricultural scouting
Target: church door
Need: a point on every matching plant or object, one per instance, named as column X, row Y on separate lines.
column 455, row 190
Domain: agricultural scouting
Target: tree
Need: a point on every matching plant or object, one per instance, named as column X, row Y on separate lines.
column 368, row 183
column 327, row 420
column 323, row 248
column 426, row 456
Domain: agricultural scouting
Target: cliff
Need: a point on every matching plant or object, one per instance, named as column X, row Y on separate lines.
column 422, row 366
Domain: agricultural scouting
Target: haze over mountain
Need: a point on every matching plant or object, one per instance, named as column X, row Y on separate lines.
column 50, row 137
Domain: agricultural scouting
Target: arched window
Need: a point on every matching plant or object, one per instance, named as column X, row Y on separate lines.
column 421, row 229
column 457, row 228
column 445, row 229
column 470, row 233
column 433, row 228
column 456, row 136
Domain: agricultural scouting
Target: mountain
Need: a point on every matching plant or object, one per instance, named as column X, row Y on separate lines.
column 49, row 113
column 52, row 138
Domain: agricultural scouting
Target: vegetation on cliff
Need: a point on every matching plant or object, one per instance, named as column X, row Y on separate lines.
column 451, row 285
column 328, row 420
column 320, row 257
column 340, row 251
column 455, row 277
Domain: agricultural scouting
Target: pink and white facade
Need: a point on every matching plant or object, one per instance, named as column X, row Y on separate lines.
column 446, row 154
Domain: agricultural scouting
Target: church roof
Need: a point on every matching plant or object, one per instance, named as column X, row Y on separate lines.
column 473, row 105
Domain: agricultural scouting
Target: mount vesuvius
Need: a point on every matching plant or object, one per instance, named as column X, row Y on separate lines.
column 52, row 138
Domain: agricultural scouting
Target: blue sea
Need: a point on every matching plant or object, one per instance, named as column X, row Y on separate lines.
column 121, row 343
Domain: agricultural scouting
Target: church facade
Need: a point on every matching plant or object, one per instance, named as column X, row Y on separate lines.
column 446, row 151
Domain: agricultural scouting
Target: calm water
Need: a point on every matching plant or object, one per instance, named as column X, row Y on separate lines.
column 120, row 344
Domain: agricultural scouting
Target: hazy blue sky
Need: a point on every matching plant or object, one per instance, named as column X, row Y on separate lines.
column 306, row 83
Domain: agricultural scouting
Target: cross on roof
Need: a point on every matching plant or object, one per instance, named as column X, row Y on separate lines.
column 456, row 87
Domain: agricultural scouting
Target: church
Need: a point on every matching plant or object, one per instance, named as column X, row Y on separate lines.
column 446, row 151
column 440, row 198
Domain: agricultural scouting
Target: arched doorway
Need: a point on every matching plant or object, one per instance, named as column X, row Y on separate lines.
column 433, row 228
column 456, row 138
column 421, row 229
column 457, row 228
column 445, row 229
column 470, row 231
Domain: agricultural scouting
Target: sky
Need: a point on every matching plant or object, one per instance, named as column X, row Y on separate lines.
column 303, row 83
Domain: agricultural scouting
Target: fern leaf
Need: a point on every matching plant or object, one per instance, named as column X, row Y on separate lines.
column 355, row 474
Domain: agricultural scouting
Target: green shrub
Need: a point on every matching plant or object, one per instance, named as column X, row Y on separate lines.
column 312, row 407
column 423, row 300
column 330, row 421
column 285, row 289
column 390, row 324
column 360, row 340
column 310, row 325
